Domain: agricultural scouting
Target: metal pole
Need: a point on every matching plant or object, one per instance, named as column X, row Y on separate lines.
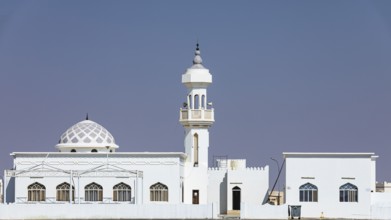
column 78, row 187
column 278, row 165
column 135, row 190
column 70, row 188
column 137, row 187
column 279, row 172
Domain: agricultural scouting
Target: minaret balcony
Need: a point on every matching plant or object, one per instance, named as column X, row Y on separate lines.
column 196, row 116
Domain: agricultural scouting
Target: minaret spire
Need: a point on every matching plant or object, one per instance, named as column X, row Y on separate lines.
column 87, row 116
column 197, row 61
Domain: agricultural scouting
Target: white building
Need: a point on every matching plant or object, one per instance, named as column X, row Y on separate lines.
column 331, row 185
column 88, row 162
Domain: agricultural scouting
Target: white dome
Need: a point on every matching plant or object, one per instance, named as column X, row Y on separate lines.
column 84, row 136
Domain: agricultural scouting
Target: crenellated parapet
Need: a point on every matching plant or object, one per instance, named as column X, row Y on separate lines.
column 265, row 168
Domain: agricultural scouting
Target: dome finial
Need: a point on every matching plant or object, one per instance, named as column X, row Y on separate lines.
column 197, row 61
column 87, row 116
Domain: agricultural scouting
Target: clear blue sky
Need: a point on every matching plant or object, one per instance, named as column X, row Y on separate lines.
column 288, row 75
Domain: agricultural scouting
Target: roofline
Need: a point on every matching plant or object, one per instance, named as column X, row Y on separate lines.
column 105, row 154
column 330, row 154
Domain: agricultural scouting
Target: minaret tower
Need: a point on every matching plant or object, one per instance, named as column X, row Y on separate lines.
column 196, row 116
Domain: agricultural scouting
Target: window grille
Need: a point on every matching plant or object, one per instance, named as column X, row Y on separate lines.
column 348, row 193
column 93, row 192
column 36, row 192
column 159, row 192
column 63, row 192
column 122, row 192
column 308, row 193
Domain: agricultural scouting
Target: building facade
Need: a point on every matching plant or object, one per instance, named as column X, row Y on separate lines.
column 331, row 185
column 88, row 167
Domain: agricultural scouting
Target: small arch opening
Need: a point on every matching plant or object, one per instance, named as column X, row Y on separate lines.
column 73, row 150
column 94, row 150
column 190, row 102
column 197, row 102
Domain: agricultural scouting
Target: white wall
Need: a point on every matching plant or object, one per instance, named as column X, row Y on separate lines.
column 217, row 188
column 253, row 182
column 106, row 211
column 266, row 211
column 165, row 169
column 381, row 206
column 196, row 177
column 373, row 173
column 328, row 173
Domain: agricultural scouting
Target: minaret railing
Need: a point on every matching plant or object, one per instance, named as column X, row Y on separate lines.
column 197, row 114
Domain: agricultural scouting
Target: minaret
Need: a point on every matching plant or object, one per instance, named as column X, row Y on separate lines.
column 196, row 116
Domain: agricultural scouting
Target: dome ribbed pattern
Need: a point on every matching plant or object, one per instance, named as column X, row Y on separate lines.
column 87, row 132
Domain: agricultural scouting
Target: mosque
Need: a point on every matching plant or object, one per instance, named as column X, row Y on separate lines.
column 88, row 167
column 88, row 177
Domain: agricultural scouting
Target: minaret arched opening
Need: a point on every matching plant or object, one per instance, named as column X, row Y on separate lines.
column 196, row 149
column 190, row 102
column 196, row 102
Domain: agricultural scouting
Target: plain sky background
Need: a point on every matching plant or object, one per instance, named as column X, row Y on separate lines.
column 288, row 75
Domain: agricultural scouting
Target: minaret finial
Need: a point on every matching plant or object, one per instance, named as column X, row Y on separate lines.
column 87, row 116
column 197, row 61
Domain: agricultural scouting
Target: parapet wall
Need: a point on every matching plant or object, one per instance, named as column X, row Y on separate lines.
column 247, row 168
column 107, row 211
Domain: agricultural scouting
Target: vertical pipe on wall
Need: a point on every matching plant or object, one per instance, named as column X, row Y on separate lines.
column 78, row 187
column 70, row 188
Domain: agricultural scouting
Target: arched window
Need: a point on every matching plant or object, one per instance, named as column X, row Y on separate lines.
column 36, row 192
column 122, row 192
column 348, row 193
column 73, row 150
column 94, row 151
column 203, row 104
column 93, row 192
column 63, row 192
column 159, row 192
column 308, row 193
column 195, row 146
